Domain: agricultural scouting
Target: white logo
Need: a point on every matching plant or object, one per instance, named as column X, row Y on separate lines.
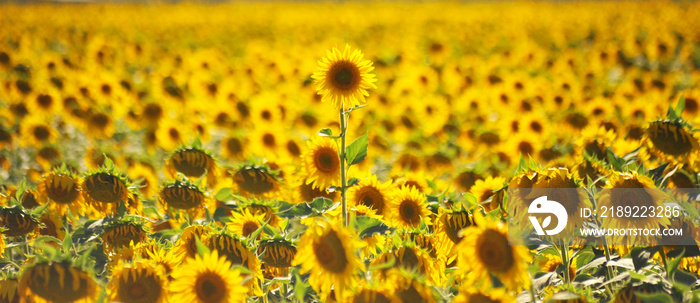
column 543, row 206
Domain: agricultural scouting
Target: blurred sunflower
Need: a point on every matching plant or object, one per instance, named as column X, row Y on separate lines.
column 670, row 139
column 630, row 189
column 8, row 288
column 245, row 223
column 207, row 279
column 17, row 222
column 322, row 163
column 408, row 207
column 137, row 282
column 62, row 191
column 57, row 282
column 277, row 253
column 489, row 192
column 37, row 131
column 255, row 181
column 105, row 191
column 371, row 193
column 193, row 162
column 344, row 77
column 122, row 235
column 183, row 196
column 496, row 295
column 186, row 246
column 485, row 251
column 328, row 252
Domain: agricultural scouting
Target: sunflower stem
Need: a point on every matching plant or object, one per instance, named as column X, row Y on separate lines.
column 565, row 261
column 343, row 128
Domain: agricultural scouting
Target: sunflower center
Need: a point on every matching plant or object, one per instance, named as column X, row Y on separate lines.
column 62, row 189
column 234, row 146
column 105, row 188
column 269, row 140
column 41, row 133
column 345, row 76
column 409, row 212
column 372, row 198
column 595, row 149
column 326, row 160
column 249, row 228
column 494, row 252
column 330, row 253
column 211, row 287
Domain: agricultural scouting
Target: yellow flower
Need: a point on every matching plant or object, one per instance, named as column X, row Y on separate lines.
column 193, row 162
column 371, row 193
column 138, row 282
column 56, row 282
column 408, row 207
column 344, row 77
column 485, row 251
column 322, row 163
column 328, row 252
column 245, row 223
column 207, row 279
column 63, row 192
column 105, row 191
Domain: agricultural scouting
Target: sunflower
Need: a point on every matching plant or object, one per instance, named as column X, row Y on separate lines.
column 472, row 295
column 238, row 253
column 207, row 279
column 344, row 77
column 410, row 288
column 408, row 207
column 255, row 181
column 414, row 259
column 53, row 226
column 322, row 163
column 261, row 209
column 37, row 131
column 466, row 179
column 18, row 222
column 328, row 252
column 670, row 139
column 245, row 223
column 136, row 282
column 183, row 196
column 120, row 236
column 234, row 147
column 451, row 222
column 489, row 192
column 193, row 162
column 371, row 193
column 105, row 191
column 56, row 282
column 186, row 246
column 631, row 189
column 304, row 191
column 277, row 253
column 62, row 191
column 485, row 251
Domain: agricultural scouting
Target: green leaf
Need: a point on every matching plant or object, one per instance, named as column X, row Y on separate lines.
column 353, row 181
column 224, row 194
column 108, row 163
column 326, row 132
column 471, row 200
column 366, row 227
column 202, row 250
column 680, row 106
column 357, row 150
column 659, row 297
column 67, row 243
column 299, row 289
column 672, row 265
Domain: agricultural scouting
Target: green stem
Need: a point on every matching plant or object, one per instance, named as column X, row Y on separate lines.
column 343, row 128
column 565, row 261
column 533, row 299
column 662, row 252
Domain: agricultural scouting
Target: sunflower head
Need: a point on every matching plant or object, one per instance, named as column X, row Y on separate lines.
column 408, row 207
column 56, row 282
column 183, row 196
column 121, row 235
column 278, row 253
column 186, row 246
column 670, row 138
column 193, row 162
column 137, row 282
column 62, row 190
column 344, row 77
column 328, row 252
column 371, row 193
column 245, row 223
column 255, row 181
column 18, row 222
column 207, row 279
column 106, row 189
column 322, row 163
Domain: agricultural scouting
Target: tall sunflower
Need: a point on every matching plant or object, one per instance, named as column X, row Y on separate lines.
column 344, row 77
column 328, row 252
column 485, row 251
column 408, row 207
column 207, row 279
column 322, row 163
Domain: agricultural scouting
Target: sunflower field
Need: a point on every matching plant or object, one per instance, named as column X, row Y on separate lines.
column 342, row 152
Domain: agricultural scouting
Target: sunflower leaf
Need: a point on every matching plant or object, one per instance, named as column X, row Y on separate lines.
column 357, row 150
column 299, row 289
column 326, row 132
column 202, row 250
column 224, row 194
column 672, row 265
column 67, row 243
column 680, row 106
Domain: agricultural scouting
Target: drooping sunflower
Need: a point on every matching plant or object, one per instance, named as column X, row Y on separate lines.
column 18, row 222
column 485, row 251
column 62, row 190
column 207, row 279
column 245, row 223
column 193, row 162
column 8, row 290
column 53, row 226
column 137, row 282
column 451, row 222
column 266, row 210
column 183, row 196
column 408, row 207
column 411, row 258
column 121, row 235
column 255, row 181
column 371, row 193
column 344, row 77
column 630, row 189
column 47, row 281
column 670, row 139
column 322, row 163
column 328, row 252
column 105, row 189
column 277, row 253
column 186, row 246
column 304, row 191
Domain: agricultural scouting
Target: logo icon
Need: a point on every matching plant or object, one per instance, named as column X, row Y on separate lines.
column 543, row 206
